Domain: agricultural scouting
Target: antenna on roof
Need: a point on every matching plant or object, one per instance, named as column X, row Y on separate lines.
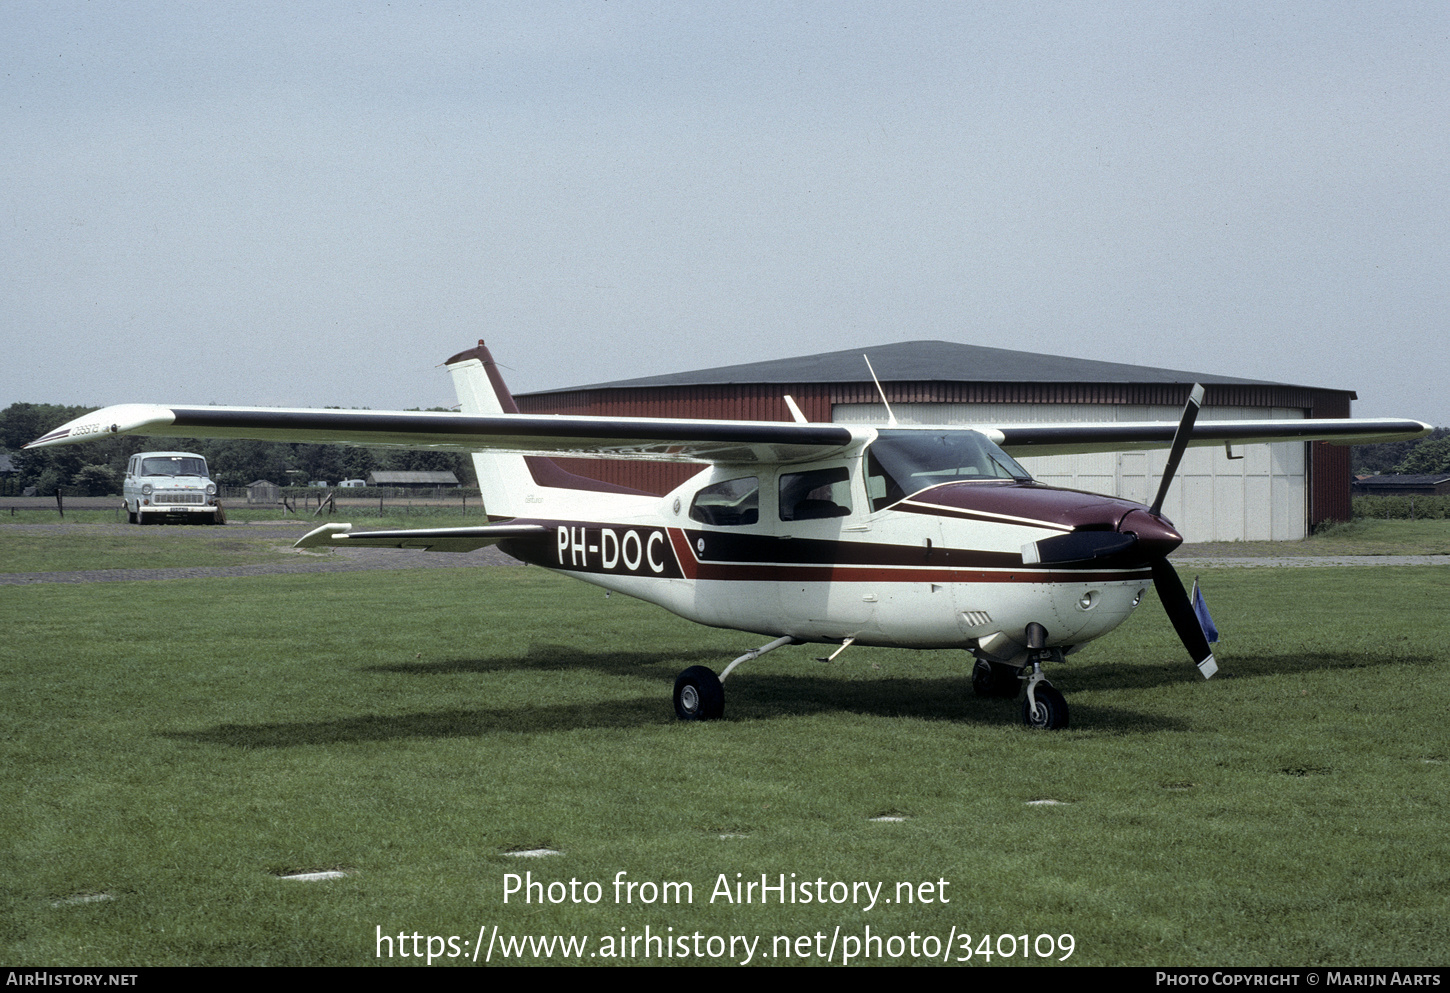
column 890, row 417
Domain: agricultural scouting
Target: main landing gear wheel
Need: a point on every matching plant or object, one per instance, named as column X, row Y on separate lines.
column 1050, row 714
column 699, row 695
column 995, row 680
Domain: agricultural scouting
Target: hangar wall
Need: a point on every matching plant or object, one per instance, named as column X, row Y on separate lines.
column 1277, row 492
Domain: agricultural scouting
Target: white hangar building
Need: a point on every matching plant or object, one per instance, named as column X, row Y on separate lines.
column 1271, row 492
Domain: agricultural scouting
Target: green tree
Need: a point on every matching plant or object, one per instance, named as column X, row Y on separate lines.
column 1430, row 457
column 1369, row 460
column 96, row 480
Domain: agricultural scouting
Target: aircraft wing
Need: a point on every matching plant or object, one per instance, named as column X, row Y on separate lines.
column 668, row 439
column 1068, row 439
column 426, row 539
column 662, row 439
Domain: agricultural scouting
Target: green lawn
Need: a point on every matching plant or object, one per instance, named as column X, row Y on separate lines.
column 85, row 546
column 94, row 541
column 173, row 746
column 1362, row 537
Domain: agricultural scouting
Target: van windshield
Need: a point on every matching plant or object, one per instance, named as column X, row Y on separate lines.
column 173, row 465
column 902, row 462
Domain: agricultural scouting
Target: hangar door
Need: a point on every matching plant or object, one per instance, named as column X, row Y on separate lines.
column 1261, row 496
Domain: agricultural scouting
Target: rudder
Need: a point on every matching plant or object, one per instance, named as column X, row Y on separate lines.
column 505, row 480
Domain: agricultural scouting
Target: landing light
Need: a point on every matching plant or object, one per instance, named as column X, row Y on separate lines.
column 1087, row 600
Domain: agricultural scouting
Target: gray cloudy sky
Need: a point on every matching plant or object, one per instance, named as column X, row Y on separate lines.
column 308, row 204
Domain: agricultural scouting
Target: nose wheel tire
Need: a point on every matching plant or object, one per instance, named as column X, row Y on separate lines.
column 1050, row 713
column 699, row 695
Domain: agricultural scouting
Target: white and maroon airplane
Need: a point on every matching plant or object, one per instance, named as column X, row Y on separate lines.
column 917, row 537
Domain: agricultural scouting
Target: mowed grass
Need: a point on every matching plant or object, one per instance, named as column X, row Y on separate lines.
column 422, row 515
column 176, row 745
column 78, row 547
column 1365, row 536
column 96, row 542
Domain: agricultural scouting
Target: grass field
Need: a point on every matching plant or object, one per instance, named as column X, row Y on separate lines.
column 170, row 748
column 1360, row 537
column 92, row 540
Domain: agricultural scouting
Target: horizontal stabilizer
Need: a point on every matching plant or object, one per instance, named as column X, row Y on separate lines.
column 425, row 539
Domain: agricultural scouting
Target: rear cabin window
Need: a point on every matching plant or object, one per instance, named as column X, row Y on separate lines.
column 728, row 504
column 814, row 495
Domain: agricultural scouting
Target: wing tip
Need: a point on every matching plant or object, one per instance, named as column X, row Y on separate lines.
column 323, row 535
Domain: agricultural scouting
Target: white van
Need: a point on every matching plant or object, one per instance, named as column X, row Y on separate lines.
column 162, row 486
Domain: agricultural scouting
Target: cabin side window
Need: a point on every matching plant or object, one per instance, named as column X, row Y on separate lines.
column 814, row 495
column 732, row 503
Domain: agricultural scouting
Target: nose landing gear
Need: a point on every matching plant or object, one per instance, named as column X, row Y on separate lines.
column 1043, row 707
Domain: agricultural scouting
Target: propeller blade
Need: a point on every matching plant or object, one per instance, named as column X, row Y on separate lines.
column 1180, row 442
column 1180, row 612
column 1076, row 546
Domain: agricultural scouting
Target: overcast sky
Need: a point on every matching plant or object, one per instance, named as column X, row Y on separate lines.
column 311, row 204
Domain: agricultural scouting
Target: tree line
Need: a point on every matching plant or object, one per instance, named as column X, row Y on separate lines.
column 1423, row 456
column 98, row 467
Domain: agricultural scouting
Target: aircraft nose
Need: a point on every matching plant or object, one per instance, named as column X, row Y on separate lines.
column 1156, row 535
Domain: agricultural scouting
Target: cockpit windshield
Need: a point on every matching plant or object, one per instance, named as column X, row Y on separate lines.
column 902, row 462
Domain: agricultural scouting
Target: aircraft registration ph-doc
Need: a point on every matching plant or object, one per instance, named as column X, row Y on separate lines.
column 917, row 537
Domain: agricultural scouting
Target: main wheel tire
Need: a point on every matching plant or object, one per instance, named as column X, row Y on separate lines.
column 1050, row 714
column 699, row 695
column 995, row 680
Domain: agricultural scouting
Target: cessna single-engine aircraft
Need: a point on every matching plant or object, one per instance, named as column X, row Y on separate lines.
column 919, row 537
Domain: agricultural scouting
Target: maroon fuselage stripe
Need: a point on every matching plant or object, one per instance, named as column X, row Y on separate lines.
column 758, row 558
column 693, row 568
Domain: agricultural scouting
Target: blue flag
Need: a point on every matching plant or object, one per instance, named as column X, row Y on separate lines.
column 1200, row 610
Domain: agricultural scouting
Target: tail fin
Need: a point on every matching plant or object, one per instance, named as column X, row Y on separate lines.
column 509, row 483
